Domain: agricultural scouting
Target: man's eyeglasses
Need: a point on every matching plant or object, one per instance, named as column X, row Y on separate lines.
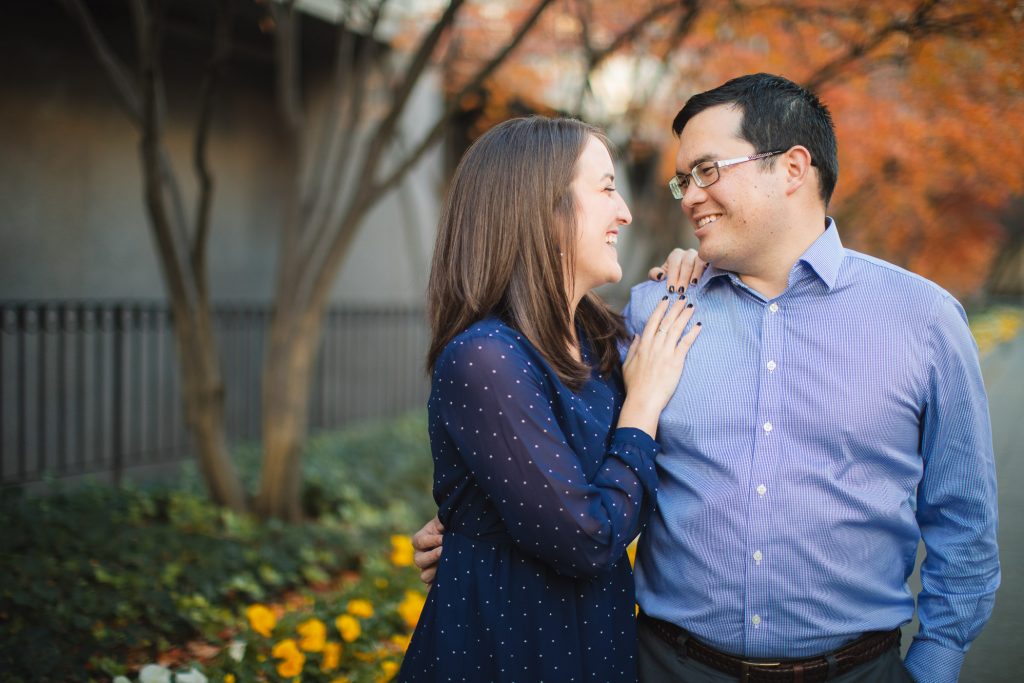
column 706, row 173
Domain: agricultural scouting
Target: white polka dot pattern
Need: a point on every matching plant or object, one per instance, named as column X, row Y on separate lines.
column 539, row 497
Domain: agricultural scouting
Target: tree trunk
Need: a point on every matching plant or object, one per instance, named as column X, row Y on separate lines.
column 294, row 340
column 203, row 396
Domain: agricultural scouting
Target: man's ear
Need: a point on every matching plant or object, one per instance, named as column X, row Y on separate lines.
column 796, row 162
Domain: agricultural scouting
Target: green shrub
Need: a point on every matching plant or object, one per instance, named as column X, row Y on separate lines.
column 93, row 573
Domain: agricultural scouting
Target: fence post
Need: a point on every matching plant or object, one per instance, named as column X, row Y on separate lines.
column 117, row 395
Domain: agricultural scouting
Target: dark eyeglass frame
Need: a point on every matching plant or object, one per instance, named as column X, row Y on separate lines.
column 706, row 173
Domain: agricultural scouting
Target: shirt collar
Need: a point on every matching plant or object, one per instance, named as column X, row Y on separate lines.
column 826, row 255
column 823, row 257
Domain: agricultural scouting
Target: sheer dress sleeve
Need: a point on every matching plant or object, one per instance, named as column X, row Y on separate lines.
column 498, row 405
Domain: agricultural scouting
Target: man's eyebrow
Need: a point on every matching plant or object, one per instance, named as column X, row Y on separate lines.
column 699, row 160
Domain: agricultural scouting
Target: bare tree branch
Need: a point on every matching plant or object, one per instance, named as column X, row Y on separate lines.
column 633, row 31
column 451, row 106
column 287, row 46
column 920, row 24
column 596, row 57
column 330, row 191
column 211, row 81
column 310, row 188
column 325, row 269
column 682, row 28
column 169, row 243
column 403, row 90
column 124, row 87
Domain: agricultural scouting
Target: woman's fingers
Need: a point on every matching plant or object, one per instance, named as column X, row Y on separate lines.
column 687, row 339
column 669, row 321
column 697, row 268
column 684, row 312
column 654, row 321
column 681, row 270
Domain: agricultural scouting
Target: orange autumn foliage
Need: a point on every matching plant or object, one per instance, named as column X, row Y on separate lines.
column 927, row 96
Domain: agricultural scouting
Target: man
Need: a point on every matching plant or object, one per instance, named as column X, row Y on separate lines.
column 832, row 414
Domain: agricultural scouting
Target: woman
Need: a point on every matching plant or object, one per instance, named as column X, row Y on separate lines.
column 543, row 471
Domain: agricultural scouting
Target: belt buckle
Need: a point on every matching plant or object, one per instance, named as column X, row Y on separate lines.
column 745, row 668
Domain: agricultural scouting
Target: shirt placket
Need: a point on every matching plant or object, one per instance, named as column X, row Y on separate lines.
column 758, row 553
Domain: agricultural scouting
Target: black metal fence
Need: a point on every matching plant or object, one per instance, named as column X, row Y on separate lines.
column 91, row 388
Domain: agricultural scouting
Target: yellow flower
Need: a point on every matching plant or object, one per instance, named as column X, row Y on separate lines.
column 410, row 607
column 348, row 627
column 292, row 658
column 401, row 551
column 401, row 642
column 387, row 671
column 261, row 619
column 314, row 635
column 380, row 582
column 332, row 657
column 229, row 678
column 360, row 608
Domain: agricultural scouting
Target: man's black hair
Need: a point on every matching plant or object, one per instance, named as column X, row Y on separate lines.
column 777, row 114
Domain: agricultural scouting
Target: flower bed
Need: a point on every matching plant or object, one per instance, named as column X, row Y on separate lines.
column 100, row 582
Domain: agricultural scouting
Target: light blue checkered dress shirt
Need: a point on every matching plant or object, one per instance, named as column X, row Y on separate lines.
column 814, row 438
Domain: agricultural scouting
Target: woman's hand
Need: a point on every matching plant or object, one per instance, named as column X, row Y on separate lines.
column 655, row 362
column 681, row 269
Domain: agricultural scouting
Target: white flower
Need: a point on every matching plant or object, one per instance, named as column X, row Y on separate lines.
column 190, row 676
column 154, row 673
column 122, row 679
column 236, row 650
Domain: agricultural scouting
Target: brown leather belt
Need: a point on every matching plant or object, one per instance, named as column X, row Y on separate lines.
column 825, row 667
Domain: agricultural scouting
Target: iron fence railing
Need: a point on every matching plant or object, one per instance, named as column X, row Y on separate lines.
column 90, row 387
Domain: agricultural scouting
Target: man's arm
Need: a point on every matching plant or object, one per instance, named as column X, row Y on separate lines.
column 956, row 503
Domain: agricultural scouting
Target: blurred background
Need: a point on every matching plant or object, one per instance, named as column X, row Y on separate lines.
column 218, row 225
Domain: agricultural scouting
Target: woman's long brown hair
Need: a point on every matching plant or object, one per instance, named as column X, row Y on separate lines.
column 509, row 217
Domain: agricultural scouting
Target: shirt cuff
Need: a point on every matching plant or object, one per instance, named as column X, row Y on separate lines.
column 929, row 662
column 631, row 437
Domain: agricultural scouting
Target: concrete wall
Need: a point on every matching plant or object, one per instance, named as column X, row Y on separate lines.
column 72, row 219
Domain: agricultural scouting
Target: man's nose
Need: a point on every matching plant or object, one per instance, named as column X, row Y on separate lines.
column 692, row 195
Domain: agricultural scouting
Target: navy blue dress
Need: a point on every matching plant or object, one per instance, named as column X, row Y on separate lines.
column 539, row 497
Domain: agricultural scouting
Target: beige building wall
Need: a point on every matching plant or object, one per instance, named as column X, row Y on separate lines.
column 72, row 218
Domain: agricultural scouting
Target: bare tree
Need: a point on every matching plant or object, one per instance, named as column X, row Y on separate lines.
column 338, row 180
column 181, row 244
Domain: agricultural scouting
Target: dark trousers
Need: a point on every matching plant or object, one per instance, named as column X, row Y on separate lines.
column 659, row 662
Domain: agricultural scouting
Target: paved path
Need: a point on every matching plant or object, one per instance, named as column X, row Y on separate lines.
column 998, row 653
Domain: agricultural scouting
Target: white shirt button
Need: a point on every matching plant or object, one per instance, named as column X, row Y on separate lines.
column 758, row 556
column 774, row 308
column 771, row 365
column 756, row 619
column 761, row 489
column 767, row 426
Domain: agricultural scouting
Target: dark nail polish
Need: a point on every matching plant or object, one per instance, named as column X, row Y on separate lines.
column 681, row 296
column 693, row 281
column 671, row 289
column 689, row 305
column 664, row 297
column 698, row 324
column 660, row 277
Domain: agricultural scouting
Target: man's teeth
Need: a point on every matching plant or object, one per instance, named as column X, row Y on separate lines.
column 707, row 219
column 611, row 238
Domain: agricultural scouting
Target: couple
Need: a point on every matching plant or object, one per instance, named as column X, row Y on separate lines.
column 832, row 414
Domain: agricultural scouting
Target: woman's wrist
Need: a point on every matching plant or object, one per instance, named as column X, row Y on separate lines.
column 639, row 416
